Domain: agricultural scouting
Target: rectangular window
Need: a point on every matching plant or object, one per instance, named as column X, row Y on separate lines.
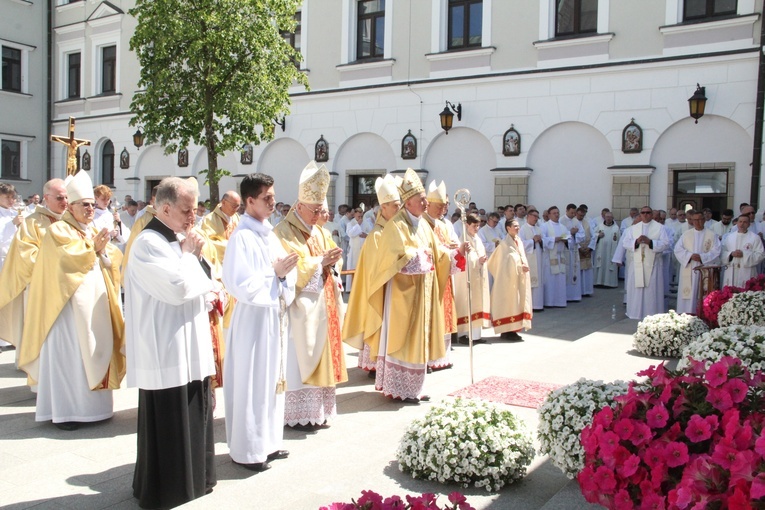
column 465, row 23
column 294, row 38
column 573, row 17
column 11, row 69
column 73, row 75
column 11, row 159
column 701, row 9
column 370, row 33
column 108, row 69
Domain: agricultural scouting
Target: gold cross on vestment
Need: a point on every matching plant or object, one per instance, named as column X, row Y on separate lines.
column 72, row 144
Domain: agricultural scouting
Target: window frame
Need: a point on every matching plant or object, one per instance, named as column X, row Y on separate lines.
column 98, row 42
column 709, row 15
column 110, row 69
column 107, row 161
column 69, row 75
column 25, row 51
column 3, row 173
column 10, row 63
column 373, row 17
column 466, row 4
column 577, row 30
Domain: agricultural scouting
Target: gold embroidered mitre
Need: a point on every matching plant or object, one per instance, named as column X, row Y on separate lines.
column 386, row 189
column 411, row 185
column 437, row 194
column 314, row 183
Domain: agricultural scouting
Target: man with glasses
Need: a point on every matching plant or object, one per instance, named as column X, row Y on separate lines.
column 742, row 251
column 315, row 359
column 644, row 243
column 72, row 343
column 17, row 269
column 531, row 235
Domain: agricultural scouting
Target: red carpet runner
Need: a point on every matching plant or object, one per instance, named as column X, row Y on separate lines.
column 514, row 392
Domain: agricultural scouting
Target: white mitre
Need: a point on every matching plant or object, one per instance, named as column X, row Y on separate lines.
column 80, row 187
column 314, row 183
column 437, row 194
column 386, row 189
column 411, row 185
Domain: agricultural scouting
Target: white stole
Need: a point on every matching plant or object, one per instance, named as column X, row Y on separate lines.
column 643, row 256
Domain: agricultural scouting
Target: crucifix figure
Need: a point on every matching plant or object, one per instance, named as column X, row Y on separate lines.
column 72, row 144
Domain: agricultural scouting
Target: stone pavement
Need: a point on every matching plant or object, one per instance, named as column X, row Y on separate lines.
column 44, row 467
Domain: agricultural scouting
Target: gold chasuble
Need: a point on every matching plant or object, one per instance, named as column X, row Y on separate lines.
column 217, row 228
column 17, row 272
column 416, row 327
column 316, row 315
column 66, row 256
column 450, row 309
column 361, row 325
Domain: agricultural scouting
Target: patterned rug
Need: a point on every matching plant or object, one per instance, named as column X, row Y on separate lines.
column 513, row 392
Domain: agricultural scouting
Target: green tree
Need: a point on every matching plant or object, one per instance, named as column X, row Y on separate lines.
column 213, row 72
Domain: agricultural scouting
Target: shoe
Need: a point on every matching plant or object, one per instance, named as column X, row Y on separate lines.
column 445, row 367
column 372, row 374
column 410, row 400
column 278, row 454
column 463, row 340
column 479, row 341
column 424, row 398
column 8, row 348
column 258, row 466
column 429, row 370
column 68, row 425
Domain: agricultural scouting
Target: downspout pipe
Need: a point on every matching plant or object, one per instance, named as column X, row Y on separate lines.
column 49, row 93
column 758, row 120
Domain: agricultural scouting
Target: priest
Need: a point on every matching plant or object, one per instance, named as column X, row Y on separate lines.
column 17, row 270
column 72, row 339
column 511, row 308
column 168, row 292
column 531, row 236
column 555, row 238
column 742, row 251
column 260, row 274
column 475, row 313
column 573, row 266
column 607, row 235
column 361, row 327
column 697, row 247
column 315, row 359
column 643, row 244
column 412, row 269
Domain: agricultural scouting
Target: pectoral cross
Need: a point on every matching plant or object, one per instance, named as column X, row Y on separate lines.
column 72, row 144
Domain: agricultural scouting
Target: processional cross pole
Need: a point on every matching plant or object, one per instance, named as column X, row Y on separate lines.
column 72, row 144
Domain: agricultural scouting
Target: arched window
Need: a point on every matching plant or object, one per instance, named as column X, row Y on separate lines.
column 107, row 164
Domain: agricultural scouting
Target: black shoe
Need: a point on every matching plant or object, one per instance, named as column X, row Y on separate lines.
column 278, row 454
column 8, row 348
column 429, row 370
column 258, row 466
column 68, row 425
column 445, row 367
column 372, row 374
column 479, row 341
column 424, row 398
column 463, row 340
column 410, row 400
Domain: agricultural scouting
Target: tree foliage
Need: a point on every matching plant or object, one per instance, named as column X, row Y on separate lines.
column 213, row 72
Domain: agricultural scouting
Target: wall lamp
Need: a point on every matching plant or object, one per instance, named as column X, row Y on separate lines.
column 447, row 117
column 697, row 102
column 282, row 122
column 138, row 139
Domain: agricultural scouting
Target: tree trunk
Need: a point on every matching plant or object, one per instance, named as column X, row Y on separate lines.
column 212, row 165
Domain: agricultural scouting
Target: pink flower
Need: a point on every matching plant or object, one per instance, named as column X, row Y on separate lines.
column 604, row 417
column 393, row 502
column 628, row 467
column 680, row 497
column 652, row 501
column 737, row 390
column 608, row 442
column 720, row 399
column 641, row 435
column 724, row 453
column 623, row 501
column 459, row 501
column 740, row 498
column 605, row 479
column 717, row 374
column 676, row 454
column 653, row 455
column 657, row 417
column 759, row 445
column 586, row 479
column 623, row 428
column 698, row 429
column 741, row 467
column 757, row 490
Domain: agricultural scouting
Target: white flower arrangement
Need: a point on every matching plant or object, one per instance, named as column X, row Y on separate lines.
column 563, row 415
column 744, row 308
column 746, row 343
column 666, row 334
column 467, row 442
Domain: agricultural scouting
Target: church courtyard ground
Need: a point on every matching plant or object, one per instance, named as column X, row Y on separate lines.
column 92, row 468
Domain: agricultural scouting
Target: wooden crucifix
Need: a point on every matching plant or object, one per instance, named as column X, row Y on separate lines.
column 72, row 144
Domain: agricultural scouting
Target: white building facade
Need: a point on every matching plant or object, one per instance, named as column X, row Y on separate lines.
column 587, row 104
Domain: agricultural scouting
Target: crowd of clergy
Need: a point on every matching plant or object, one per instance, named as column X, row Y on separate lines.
column 259, row 298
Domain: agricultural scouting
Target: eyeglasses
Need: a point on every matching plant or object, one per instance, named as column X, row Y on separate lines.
column 59, row 198
column 646, row 212
column 314, row 212
column 88, row 205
